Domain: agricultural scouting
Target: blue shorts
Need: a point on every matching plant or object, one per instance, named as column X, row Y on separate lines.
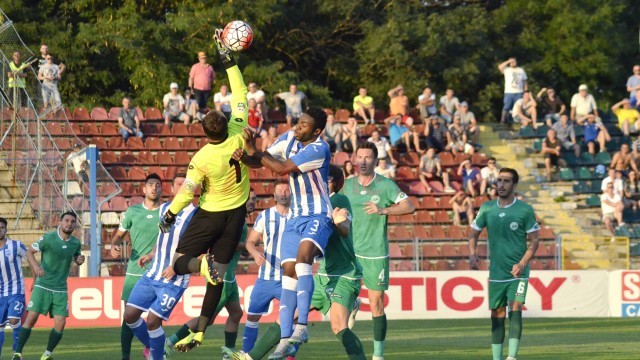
column 154, row 296
column 510, row 100
column 11, row 307
column 263, row 292
column 316, row 228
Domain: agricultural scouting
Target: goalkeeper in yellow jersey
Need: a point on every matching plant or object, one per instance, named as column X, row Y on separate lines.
column 216, row 226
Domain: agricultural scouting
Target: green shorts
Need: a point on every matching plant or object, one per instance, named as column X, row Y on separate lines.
column 53, row 303
column 501, row 293
column 375, row 273
column 334, row 289
column 229, row 294
column 129, row 282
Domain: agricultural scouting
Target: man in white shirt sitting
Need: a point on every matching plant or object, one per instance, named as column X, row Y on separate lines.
column 612, row 206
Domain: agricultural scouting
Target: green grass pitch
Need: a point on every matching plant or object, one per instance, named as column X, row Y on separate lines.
column 593, row 339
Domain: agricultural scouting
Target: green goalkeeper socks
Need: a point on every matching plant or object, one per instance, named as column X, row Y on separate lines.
column 515, row 332
column 497, row 337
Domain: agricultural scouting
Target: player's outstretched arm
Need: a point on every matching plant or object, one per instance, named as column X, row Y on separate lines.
column 403, row 207
column 280, row 167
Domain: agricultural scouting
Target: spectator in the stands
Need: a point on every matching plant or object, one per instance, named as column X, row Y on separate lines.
column 363, row 106
column 612, row 207
column 396, row 129
column 385, row 169
column 489, row 175
column 459, row 141
column 16, row 76
column 383, row 146
column 551, row 147
column 471, row 178
column 427, row 103
column 632, row 191
column 622, row 160
column 462, row 206
column 398, row 101
column 201, row 77
column 44, row 51
column 595, row 135
column 350, row 134
column 271, row 138
column 628, row 117
column 515, row 84
column 128, row 120
column 222, row 100
column 615, row 178
column 260, row 98
column 411, row 137
column 583, row 104
column 633, row 83
column 255, row 120
column 525, row 111
column 449, row 104
column 437, row 136
column 431, row 170
column 468, row 120
column 50, row 74
column 348, row 169
column 174, row 106
column 566, row 134
column 191, row 106
column 332, row 134
column 295, row 102
column 551, row 106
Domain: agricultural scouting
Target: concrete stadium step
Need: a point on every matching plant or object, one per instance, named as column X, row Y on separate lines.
column 27, row 237
column 9, row 190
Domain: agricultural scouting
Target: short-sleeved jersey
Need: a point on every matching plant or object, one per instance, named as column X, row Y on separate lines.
column 507, row 228
column 370, row 231
column 225, row 182
column 166, row 246
column 11, row 278
column 57, row 255
column 271, row 224
column 514, row 80
column 339, row 256
column 142, row 225
column 309, row 186
column 230, row 274
column 363, row 100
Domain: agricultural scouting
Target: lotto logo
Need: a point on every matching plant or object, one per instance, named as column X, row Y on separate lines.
column 631, row 286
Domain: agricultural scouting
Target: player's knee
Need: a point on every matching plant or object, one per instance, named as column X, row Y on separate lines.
column 304, row 270
column 336, row 328
column 130, row 317
column 253, row 319
column 153, row 323
column 15, row 323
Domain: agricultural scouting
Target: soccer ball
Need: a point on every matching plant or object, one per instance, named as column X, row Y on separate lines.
column 237, row 35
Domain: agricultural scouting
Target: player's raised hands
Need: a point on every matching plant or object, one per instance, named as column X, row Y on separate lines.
column 474, row 262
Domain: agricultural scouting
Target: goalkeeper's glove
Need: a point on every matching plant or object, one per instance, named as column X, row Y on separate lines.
column 223, row 50
column 167, row 221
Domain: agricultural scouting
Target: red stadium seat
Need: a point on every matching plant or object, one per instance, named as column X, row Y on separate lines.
column 420, row 232
column 457, row 232
column 62, row 144
column 171, row 172
column 99, row 113
column 430, row 251
column 196, row 130
column 430, row 202
column 342, row 115
column 407, row 219
column 479, row 159
column 54, row 128
column 463, row 250
column 182, row 158
column 442, row 265
column 449, row 251
column 108, row 129
column 546, row 233
column 442, row 216
column 415, row 201
column 340, row 157
column 436, row 232
column 460, row 157
column 551, row 265
column 117, row 270
column 90, row 128
column 164, row 130
column 153, row 143
column 191, row 144
column 164, row 158
column 481, row 250
column 146, row 158
column 128, row 189
column 405, row 173
column 135, row 143
column 117, row 143
column 395, row 251
column 542, row 251
column 114, row 112
column 424, row 217
column 136, row 173
column 461, row 265
column 436, row 186
column 100, row 143
column 81, row 113
column 406, row 266
column 426, row 265
column 368, row 129
column 118, row 173
column 399, row 233
column 157, row 170
column 409, row 159
column 417, row 188
column 408, row 251
column 119, row 203
column 127, row 157
column 536, row 265
column 172, row 143
column 447, row 159
column 152, row 113
column 135, row 200
column 283, row 128
column 180, row 129
column 108, row 157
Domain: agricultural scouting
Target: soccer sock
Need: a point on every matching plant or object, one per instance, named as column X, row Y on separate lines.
column 497, row 337
column 186, row 264
column 139, row 329
column 379, row 334
column 352, row 344
column 16, row 333
column 250, row 335
column 209, row 305
column 126, row 337
column 182, row 333
column 54, row 339
column 288, row 302
column 266, row 342
column 515, row 332
column 156, row 343
column 2, row 339
column 22, row 338
column 230, row 339
column 304, row 291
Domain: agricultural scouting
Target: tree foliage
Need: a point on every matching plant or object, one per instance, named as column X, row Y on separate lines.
column 330, row 48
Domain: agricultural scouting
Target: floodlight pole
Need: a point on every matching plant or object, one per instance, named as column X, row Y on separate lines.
column 94, row 260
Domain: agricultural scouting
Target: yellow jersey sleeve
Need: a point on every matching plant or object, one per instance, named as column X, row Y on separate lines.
column 195, row 174
column 239, row 108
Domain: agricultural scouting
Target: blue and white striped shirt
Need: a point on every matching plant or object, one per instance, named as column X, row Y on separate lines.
column 270, row 223
column 166, row 247
column 11, row 278
column 309, row 186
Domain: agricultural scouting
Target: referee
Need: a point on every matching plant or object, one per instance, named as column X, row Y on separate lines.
column 216, row 226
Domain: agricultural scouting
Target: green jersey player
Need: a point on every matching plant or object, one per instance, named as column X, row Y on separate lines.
column 49, row 297
column 509, row 222
column 373, row 198
column 141, row 221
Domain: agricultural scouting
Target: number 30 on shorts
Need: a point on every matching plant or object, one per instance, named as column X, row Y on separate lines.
column 521, row 287
column 167, row 301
